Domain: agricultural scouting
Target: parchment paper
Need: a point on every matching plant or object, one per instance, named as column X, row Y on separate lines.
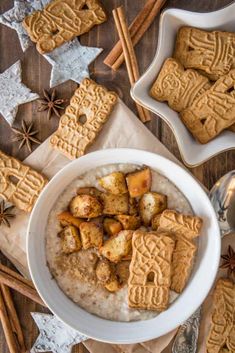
column 122, row 130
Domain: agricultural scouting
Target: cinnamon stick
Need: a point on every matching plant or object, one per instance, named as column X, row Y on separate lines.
column 20, row 286
column 129, row 54
column 137, row 29
column 14, row 320
column 6, row 325
column 16, row 275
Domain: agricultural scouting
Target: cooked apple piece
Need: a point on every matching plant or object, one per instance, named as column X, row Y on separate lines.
column 85, row 206
column 113, row 285
column 133, row 207
column 155, row 222
column 104, row 271
column 97, row 220
column 112, row 226
column 122, row 271
column 115, row 204
column 139, row 182
column 71, row 241
column 91, row 235
column 151, row 204
column 89, row 190
column 114, row 183
column 129, row 222
column 127, row 257
column 118, row 246
column 66, row 219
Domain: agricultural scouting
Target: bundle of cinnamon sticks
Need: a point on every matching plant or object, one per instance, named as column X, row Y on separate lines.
column 124, row 49
column 8, row 315
column 137, row 29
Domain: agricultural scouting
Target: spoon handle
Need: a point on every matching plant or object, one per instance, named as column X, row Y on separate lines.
column 187, row 336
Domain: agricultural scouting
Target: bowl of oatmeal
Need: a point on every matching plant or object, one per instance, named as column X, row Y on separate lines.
column 119, row 242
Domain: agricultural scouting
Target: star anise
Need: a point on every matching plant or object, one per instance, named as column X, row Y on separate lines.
column 26, row 135
column 50, row 103
column 5, row 214
column 229, row 261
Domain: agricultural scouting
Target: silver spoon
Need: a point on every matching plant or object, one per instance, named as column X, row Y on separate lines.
column 222, row 196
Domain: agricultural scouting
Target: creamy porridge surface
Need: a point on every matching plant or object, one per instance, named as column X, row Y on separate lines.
column 69, row 271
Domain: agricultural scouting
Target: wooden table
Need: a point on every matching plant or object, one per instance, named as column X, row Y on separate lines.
column 36, row 72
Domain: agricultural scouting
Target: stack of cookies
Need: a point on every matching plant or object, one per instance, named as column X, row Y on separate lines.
column 162, row 260
column 199, row 82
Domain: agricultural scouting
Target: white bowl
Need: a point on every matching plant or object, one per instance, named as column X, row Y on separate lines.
column 201, row 280
column 192, row 152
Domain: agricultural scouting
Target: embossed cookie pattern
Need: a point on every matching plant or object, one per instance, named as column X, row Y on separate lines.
column 222, row 332
column 211, row 52
column 19, row 184
column 185, row 229
column 89, row 109
column 61, row 21
column 213, row 111
column 177, row 86
column 150, row 271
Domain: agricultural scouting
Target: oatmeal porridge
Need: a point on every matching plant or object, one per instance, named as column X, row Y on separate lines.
column 76, row 272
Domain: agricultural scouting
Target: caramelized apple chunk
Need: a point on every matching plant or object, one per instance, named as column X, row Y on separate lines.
column 85, row 206
column 139, row 182
column 71, row 241
column 113, row 285
column 89, row 190
column 115, row 204
column 114, row 183
column 104, row 271
column 118, row 246
column 133, row 207
column 129, row 222
column 66, row 218
column 122, row 271
column 151, row 204
column 112, row 226
column 91, row 235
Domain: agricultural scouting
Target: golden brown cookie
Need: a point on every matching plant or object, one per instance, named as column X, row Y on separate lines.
column 213, row 111
column 150, row 271
column 211, row 52
column 185, row 226
column 61, row 21
column 182, row 263
column 177, row 86
column 19, row 184
column 222, row 332
column 91, row 102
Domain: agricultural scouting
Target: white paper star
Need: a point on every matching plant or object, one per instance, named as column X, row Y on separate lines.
column 13, row 92
column 70, row 62
column 54, row 335
column 13, row 18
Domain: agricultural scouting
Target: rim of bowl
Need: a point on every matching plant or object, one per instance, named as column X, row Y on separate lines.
column 139, row 156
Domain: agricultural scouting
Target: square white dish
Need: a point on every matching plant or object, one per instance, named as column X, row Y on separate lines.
column 192, row 152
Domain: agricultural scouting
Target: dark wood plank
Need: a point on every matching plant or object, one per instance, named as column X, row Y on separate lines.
column 36, row 73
